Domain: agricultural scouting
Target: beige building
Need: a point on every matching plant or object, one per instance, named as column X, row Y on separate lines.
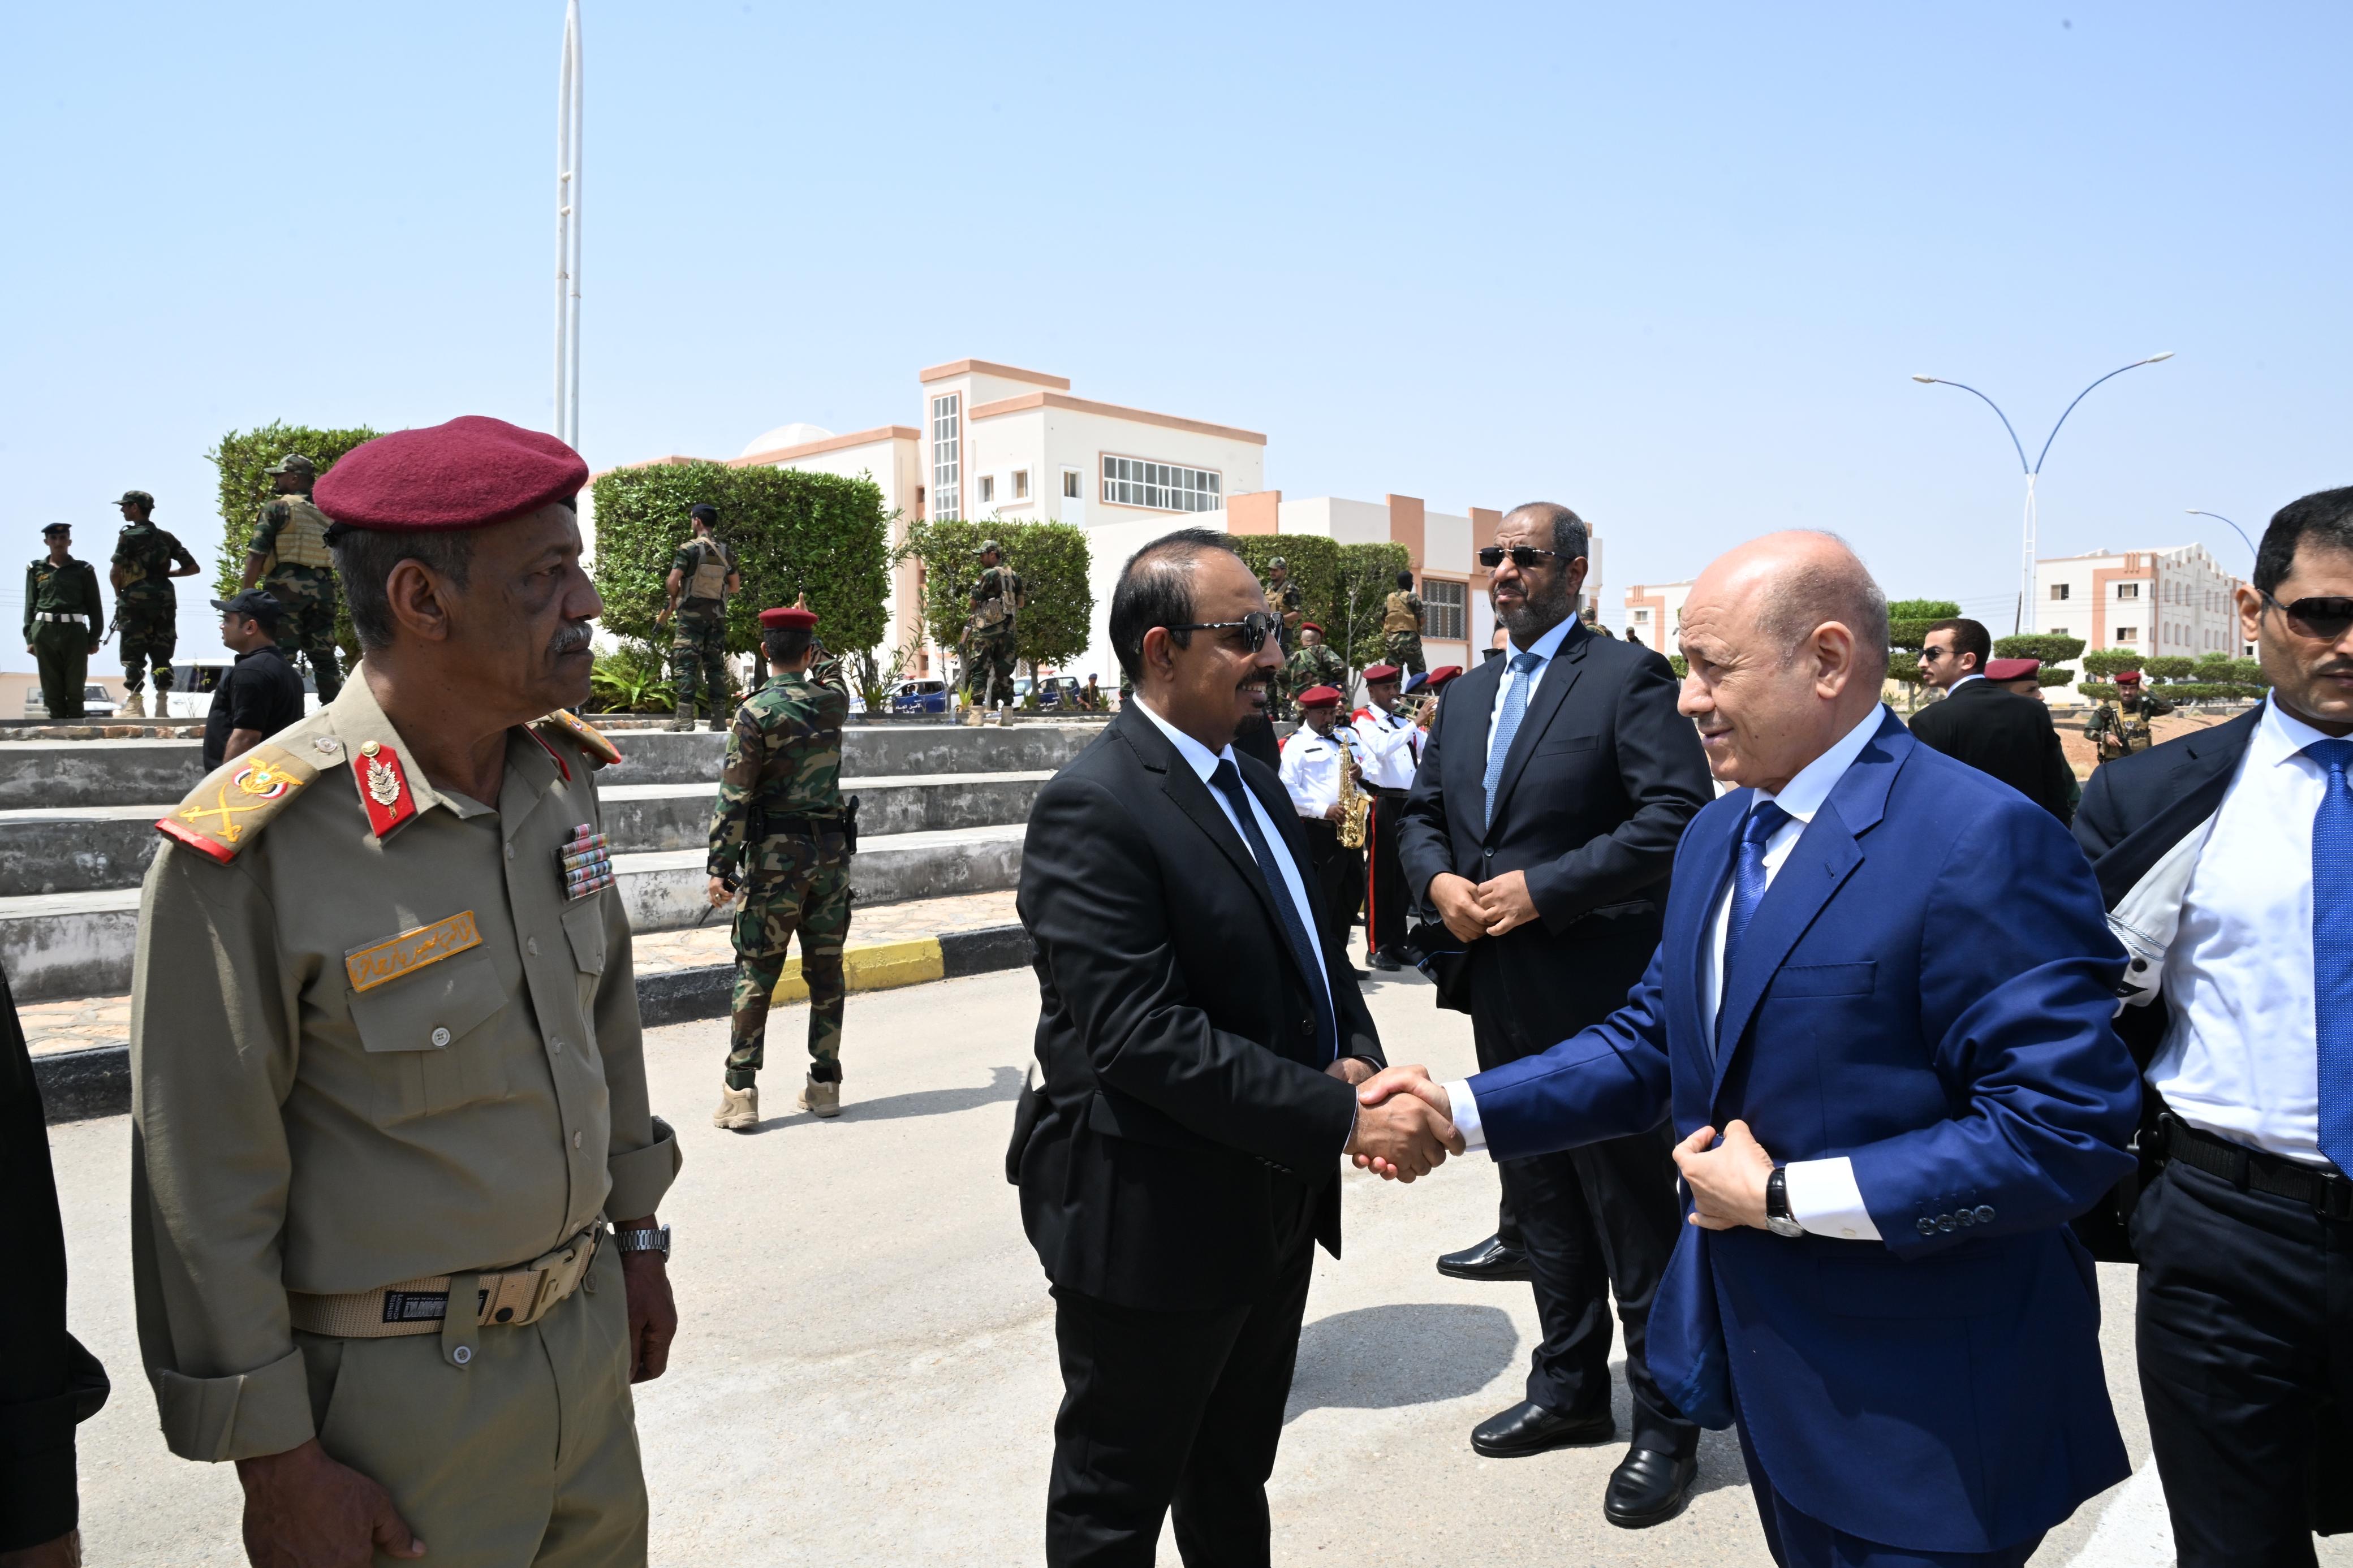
column 1653, row 611
column 2171, row 602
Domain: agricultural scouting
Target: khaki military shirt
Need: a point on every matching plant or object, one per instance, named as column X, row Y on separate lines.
column 371, row 1042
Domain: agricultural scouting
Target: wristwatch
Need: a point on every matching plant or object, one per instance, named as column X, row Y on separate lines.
column 1777, row 1204
column 656, row 1240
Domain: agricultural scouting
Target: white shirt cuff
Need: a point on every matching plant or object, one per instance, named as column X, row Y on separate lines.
column 1825, row 1200
column 1466, row 1114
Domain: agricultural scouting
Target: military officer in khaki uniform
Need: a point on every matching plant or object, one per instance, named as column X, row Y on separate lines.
column 388, row 1089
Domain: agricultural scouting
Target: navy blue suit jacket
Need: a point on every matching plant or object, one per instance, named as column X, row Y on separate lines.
column 1926, row 988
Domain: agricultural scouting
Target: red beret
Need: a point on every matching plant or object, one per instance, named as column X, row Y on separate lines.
column 471, row 471
column 1443, row 674
column 1315, row 626
column 2129, row 678
column 790, row 618
column 1380, row 672
column 2013, row 669
column 1320, row 697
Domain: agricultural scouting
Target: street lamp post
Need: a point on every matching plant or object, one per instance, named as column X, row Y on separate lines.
column 568, row 119
column 2033, row 470
column 2235, row 528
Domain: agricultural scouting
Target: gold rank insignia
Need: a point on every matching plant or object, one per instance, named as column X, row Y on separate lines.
column 589, row 739
column 236, row 800
column 369, row 966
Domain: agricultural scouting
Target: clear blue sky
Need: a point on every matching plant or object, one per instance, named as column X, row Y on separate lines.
column 1673, row 266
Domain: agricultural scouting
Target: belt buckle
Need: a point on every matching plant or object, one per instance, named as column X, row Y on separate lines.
column 2334, row 1198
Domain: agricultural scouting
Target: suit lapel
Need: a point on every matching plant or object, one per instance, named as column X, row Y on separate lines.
column 1559, row 677
column 1824, row 856
column 1462, row 719
column 2194, row 788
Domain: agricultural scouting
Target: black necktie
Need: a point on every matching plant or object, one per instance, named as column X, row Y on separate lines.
column 1229, row 781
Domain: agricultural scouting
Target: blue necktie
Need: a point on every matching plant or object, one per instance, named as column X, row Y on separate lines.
column 2332, row 949
column 1228, row 779
column 1507, row 722
column 1763, row 820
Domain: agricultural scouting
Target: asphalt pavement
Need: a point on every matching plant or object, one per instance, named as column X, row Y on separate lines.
column 865, row 1367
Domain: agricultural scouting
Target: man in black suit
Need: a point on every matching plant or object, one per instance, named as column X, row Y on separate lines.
column 1542, row 827
column 1993, row 731
column 1200, row 1044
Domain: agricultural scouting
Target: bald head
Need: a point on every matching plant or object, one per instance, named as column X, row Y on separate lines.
column 1787, row 641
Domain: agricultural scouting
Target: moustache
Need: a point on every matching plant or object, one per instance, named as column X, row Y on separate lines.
column 571, row 637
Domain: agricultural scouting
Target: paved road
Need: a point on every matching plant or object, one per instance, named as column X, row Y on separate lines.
column 866, row 1368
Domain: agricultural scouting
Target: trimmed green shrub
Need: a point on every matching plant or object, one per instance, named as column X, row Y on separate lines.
column 1908, row 620
column 2050, row 649
column 2103, row 663
column 242, row 459
column 1052, row 559
column 793, row 533
column 1343, row 588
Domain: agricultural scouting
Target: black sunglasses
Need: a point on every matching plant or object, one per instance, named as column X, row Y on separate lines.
column 1523, row 556
column 1255, row 627
column 2326, row 617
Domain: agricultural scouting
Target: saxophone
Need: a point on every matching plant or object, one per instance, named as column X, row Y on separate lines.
column 1354, row 805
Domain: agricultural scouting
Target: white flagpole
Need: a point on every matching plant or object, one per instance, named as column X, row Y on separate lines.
column 569, row 121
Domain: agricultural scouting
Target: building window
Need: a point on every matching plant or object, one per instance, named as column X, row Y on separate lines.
column 2127, row 634
column 947, row 449
column 2128, row 590
column 987, row 494
column 2059, row 590
column 1442, row 606
column 1162, row 487
column 1020, row 484
column 1643, row 617
column 1071, row 481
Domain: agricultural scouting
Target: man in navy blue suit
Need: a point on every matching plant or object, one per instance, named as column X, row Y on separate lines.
column 1880, row 1020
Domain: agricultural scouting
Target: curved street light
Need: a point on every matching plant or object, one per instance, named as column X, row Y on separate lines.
column 2033, row 470
column 2241, row 533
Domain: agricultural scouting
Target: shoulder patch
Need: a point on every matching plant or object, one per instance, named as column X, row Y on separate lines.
column 237, row 801
column 589, row 739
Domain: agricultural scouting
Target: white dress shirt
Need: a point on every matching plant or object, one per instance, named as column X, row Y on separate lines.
column 1389, row 746
column 1311, row 768
column 2240, row 1058
column 1204, row 762
column 1545, row 648
column 1822, row 1193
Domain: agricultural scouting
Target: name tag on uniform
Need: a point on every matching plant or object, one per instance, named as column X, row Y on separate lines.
column 371, row 966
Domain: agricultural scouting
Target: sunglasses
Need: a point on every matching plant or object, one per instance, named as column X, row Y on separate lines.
column 2326, row 617
column 1523, row 556
column 1255, row 628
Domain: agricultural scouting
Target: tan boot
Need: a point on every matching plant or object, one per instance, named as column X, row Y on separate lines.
column 739, row 1110
column 133, row 706
column 820, row 1099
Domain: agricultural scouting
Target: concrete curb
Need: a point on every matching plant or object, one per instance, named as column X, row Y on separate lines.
column 77, row 1085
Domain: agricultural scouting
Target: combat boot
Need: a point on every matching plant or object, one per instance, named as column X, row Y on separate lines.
column 739, row 1110
column 685, row 718
column 133, row 706
column 820, row 1099
column 718, row 725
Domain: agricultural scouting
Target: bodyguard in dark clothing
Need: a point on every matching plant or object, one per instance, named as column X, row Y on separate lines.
column 47, row 1382
column 260, row 695
column 2001, row 733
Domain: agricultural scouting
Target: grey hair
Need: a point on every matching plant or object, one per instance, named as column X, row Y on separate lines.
column 1805, row 596
column 1571, row 538
column 364, row 557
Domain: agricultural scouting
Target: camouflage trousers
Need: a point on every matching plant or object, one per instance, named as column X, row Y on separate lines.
column 809, row 895
column 1404, row 650
column 988, row 673
column 307, row 627
column 1278, row 688
column 698, row 664
column 149, row 633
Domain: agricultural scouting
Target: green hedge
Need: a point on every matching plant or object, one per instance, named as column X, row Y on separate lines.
column 1908, row 620
column 2211, row 678
column 243, row 459
column 1332, row 579
column 2050, row 649
column 1052, row 558
column 793, row 533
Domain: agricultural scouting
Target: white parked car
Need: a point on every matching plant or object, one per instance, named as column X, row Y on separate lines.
column 194, row 681
column 97, row 702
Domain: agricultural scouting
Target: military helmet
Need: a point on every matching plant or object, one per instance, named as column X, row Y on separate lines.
column 137, row 498
column 987, row 545
column 293, row 463
column 1278, row 565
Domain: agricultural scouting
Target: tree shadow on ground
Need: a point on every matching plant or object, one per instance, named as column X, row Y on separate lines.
column 1410, row 1352
column 1003, row 1087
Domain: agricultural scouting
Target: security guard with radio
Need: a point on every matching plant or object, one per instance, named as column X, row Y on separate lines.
column 288, row 557
column 393, row 1173
column 703, row 575
column 63, row 621
column 146, row 607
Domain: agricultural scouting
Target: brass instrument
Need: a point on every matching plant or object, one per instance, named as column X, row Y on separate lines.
column 1355, row 805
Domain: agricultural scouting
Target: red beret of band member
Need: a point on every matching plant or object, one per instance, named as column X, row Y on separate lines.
column 1320, row 697
column 471, row 472
column 1315, row 626
column 1443, row 674
column 2129, row 678
column 2013, row 669
column 1374, row 673
column 791, row 617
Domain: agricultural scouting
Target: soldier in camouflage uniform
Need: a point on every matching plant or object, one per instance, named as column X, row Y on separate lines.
column 702, row 575
column 288, row 556
column 1402, row 626
column 1316, row 663
column 990, row 639
column 1282, row 598
column 146, row 610
column 2120, row 726
column 63, row 614
column 778, row 837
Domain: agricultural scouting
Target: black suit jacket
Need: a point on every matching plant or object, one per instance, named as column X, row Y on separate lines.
column 2002, row 734
column 1602, row 776
column 1184, row 1114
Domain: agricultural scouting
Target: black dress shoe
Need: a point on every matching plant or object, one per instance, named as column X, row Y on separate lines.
column 1383, row 960
column 1491, row 1259
column 1527, row 1428
column 1648, row 1488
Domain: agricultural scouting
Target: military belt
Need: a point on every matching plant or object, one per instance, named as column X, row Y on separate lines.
column 805, row 826
column 55, row 615
column 509, row 1297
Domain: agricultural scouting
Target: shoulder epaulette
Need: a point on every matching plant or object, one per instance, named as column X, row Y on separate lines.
column 586, row 736
column 237, row 801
